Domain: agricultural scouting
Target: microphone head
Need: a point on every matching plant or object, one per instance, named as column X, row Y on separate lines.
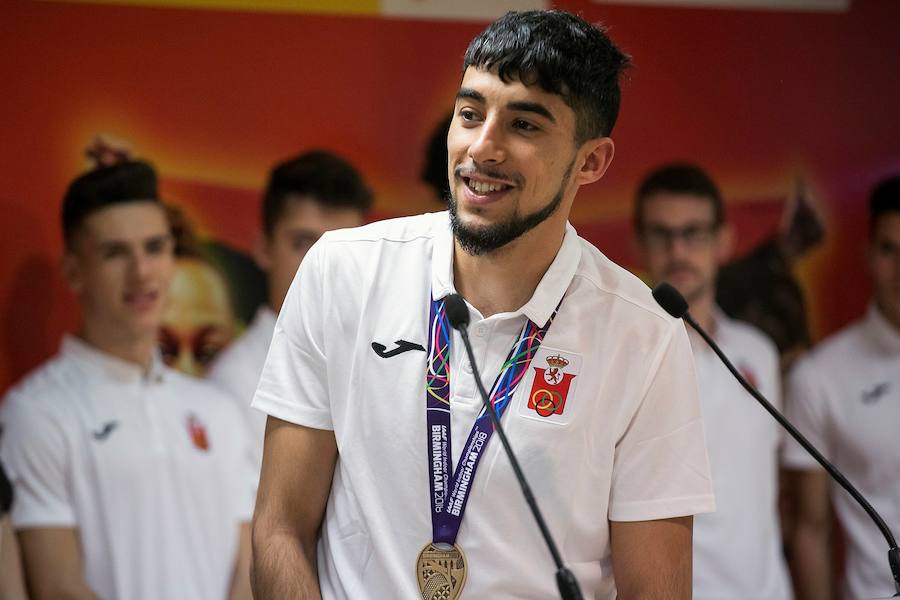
column 670, row 299
column 457, row 311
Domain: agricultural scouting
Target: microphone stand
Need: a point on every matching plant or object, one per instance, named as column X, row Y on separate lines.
column 673, row 303
column 565, row 579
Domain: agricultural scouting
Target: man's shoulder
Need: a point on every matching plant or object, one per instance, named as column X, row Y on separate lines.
column 833, row 360
column 616, row 287
column 48, row 386
column 400, row 229
column 840, row 350
column 241, row 356
column 203, row 396
column 748, row 340
column 193, row 388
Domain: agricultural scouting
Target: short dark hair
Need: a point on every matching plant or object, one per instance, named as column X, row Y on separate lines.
column 564, row 55
column 129, row 181
column 678, row 178
column 434, row 170
column 325, row 177
column 885, row 198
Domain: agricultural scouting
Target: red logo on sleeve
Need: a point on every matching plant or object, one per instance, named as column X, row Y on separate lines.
column 550, row 387
column 749, row 375
column 197, row 431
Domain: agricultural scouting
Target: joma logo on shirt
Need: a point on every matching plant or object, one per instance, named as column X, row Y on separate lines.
column 101, row 434
column 402, row 346
column 875, row 394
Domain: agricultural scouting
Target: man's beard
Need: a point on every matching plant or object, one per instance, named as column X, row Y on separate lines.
column 482, row 240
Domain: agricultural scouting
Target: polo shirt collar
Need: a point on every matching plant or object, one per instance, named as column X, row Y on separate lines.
column 549, row 291
column 96, row 361
column 882, row 331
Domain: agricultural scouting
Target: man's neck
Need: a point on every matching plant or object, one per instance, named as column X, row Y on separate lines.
column 703, row 311
column 136, row 350
column 504, row 280
column 892, row 318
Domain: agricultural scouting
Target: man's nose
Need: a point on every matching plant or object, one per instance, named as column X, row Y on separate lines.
column 489, row 147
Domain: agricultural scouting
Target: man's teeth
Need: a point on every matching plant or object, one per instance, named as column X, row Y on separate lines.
column 480, row 187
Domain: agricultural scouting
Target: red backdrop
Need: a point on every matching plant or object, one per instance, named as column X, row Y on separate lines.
column 213, row 98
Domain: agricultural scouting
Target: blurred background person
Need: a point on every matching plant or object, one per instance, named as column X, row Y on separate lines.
column 199, row 320
column 844, row 397
column 679, row 219
column 305, row 196
column 131, row 480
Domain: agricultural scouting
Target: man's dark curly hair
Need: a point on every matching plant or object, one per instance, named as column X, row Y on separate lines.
column 563, row 54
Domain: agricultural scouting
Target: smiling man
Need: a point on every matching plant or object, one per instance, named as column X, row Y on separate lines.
column 380, row 478
column 131, row 479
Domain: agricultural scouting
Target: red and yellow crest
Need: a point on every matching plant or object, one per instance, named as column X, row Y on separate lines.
column 551, row 387
column 197, row 431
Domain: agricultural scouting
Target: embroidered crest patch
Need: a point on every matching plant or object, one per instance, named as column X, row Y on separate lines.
column 197, row 431
column 552, row 390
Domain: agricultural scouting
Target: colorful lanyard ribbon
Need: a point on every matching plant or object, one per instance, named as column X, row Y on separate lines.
column 450, row 492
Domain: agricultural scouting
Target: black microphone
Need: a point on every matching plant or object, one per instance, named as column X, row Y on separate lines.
column 674, row 303
column 458, row 315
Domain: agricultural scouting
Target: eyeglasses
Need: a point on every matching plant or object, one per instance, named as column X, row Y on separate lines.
column 694, row 236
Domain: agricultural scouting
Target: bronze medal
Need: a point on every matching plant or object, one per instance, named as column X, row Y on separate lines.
column 441, row 571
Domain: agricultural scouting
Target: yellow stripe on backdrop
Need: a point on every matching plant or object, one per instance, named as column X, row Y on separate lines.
column 462, row 10
column 334, row 7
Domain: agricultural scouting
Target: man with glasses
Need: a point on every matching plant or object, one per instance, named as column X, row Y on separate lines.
column 683, row 239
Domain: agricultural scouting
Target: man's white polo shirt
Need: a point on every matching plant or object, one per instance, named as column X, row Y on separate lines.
column 845, row 398
column 625, row 445
column 237, row 370
column 737, row 549
column 151, row 469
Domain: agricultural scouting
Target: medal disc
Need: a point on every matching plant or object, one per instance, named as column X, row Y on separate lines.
column 440, row 571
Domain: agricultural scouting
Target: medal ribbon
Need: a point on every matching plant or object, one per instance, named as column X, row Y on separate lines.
column 450, row 489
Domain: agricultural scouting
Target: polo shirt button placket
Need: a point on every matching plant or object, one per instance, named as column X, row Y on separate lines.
column 145, row 398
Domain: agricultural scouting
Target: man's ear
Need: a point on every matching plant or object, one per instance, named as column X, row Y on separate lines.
column 598, row 156
column 726, row 239
column 71, row 272
column 261, row 253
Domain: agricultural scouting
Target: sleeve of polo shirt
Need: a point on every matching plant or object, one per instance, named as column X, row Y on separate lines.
column 805, row 408
column 661, row 469
column 293, row 385
column 33, row 451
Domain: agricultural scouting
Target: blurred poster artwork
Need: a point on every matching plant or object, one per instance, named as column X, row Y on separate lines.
column 326, row 7
column 214, row 293
column 793, row 5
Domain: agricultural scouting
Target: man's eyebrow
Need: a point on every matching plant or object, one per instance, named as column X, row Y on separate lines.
column 532, row 107
column 520, row 105
column 469, row 94
column 163, row 237
column 110, row 244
